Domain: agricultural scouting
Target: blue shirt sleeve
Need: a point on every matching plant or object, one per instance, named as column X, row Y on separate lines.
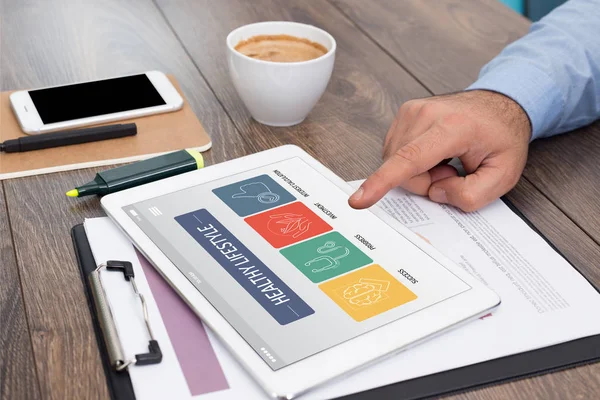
column 554, row 71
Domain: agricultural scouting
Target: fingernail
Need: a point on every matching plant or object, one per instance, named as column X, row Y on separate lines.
column 438, row 195
column 358, row 194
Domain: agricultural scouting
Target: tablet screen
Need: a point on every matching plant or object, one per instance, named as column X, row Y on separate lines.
column 282, row 257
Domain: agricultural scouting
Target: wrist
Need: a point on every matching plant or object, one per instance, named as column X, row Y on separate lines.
column 510, row 111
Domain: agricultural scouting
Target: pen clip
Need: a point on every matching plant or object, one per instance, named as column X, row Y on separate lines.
column 107, row 323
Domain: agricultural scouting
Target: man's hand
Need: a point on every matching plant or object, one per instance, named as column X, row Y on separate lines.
column 488, row 131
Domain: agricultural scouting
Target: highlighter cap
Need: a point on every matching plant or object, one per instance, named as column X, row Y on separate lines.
column 150, row 170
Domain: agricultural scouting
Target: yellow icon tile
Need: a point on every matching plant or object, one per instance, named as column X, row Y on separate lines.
column 367, row 292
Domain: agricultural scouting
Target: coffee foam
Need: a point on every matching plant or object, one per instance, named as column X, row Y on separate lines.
column 280, row 48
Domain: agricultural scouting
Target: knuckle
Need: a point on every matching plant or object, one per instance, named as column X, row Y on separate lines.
column 456, row 120
column 409, row 109
column 386, row 152
column 515, row 178
column 468, row 201
column 428, row 110
column 511, row 181
column 409, row 152
column 409, row 155
column 438, row 134
column 406, row 106
column 393, row 129
column 389, row 139
column 510, row 178
column 413, row 103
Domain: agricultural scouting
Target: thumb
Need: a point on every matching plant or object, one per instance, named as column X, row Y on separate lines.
column 473, row 191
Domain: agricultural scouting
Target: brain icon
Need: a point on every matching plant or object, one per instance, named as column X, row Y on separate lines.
column 363, row 294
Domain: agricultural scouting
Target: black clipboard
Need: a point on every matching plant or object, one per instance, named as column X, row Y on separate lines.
column 505, row 369
column 119, row 384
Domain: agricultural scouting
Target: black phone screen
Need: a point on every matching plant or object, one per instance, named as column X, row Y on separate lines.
column 83, row 100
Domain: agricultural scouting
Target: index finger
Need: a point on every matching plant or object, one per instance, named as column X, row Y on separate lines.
column 416, row 157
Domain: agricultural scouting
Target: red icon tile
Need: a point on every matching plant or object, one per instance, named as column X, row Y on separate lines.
column 288, row 224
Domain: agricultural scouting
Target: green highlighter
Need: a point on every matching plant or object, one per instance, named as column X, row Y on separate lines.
column 141, row 172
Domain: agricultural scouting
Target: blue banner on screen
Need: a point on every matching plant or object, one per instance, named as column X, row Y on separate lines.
column 259, row 281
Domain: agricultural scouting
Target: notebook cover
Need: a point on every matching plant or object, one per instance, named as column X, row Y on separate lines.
column 500, row 370
column 160, row 133
column 119, row 384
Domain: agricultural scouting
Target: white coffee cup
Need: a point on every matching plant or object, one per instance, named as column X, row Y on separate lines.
column 280, row 93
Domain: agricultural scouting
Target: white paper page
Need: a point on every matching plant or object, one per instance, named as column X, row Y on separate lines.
column 545, row 301
column 557, row 311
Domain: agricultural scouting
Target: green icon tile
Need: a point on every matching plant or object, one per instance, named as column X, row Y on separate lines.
column 325, row 256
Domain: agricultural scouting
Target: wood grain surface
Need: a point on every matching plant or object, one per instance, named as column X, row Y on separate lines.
column 346, row 128
column 66, row 355
column 567, row 170
column 46, row 43
column 579, row 383
column 442, row 43
column 17, row 372
column 384, row 49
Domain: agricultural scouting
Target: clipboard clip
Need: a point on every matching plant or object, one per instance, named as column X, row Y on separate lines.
column 107, row 322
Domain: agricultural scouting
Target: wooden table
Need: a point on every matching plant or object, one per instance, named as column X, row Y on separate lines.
column 388, row 52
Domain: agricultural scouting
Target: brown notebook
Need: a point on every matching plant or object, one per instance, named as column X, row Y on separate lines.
column 157, row 134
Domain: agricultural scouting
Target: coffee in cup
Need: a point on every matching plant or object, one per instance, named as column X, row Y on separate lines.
column 281, row 48
column 280, row 69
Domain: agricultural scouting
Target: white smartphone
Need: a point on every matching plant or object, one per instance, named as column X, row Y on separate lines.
column 94, row 102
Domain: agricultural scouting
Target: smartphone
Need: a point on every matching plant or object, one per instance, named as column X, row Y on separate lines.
column 94, row 102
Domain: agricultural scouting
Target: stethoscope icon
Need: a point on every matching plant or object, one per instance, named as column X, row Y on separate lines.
column 265, row 195
column 332, row 262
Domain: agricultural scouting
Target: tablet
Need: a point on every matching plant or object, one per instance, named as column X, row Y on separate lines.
column 298, row 285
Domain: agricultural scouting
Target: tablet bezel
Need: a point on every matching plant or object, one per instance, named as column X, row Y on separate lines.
column 297, row 378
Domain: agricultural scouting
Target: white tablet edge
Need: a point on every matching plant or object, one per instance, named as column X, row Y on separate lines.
column 317, row 369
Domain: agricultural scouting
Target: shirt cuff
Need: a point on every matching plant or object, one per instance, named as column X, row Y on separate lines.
column 530, row 87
